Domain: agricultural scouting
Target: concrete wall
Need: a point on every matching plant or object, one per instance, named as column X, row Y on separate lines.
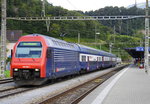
column 9, row 47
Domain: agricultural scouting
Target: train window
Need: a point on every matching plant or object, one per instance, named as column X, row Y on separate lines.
column 100, row 58
column 60, row 44
column 83, row 58
column 29, row 50
column 69, row 45
column 63, row 44
column 110, row 59
column 105, row 58
column 57, row 43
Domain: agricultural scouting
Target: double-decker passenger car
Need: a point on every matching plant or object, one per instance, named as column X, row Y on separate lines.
column 37, row 58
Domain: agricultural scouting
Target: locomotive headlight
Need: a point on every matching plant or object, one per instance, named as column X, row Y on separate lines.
column 15, row 69
column 37, row 69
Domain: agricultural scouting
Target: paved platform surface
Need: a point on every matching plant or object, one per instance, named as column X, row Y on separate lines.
column 129, row 86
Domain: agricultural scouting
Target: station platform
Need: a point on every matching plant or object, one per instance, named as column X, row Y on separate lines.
column 130, row 86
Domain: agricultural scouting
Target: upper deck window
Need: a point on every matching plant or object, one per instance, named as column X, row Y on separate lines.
column 29, row 50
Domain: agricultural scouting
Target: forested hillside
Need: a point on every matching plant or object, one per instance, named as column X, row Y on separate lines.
column 32, row 8
column 124, row 27
column 120, row 34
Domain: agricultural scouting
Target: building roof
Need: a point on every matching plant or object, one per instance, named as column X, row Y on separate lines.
column 13, row 35
column 136, row 52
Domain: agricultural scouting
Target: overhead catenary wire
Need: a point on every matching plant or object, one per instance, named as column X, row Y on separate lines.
column 72, row 4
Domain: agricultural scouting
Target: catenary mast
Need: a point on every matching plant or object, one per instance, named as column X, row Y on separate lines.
column 3, row 39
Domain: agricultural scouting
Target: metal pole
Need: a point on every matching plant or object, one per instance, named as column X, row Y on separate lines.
column 3, row 39
column 43, row 15
column 78, row 37
column 140, row 43
column 110, row 47
column 127, row 28
column 135, row 3
column 95, row 36
column 146, row 56
column 100, row 46
column 43, row 8
column 118, row 52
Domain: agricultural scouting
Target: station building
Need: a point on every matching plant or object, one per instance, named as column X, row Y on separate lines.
column 138, row 54
column 12, row 37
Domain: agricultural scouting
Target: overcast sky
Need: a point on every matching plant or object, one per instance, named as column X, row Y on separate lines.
column 87, row 5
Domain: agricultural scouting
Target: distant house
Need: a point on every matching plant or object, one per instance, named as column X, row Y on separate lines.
column 13, row 35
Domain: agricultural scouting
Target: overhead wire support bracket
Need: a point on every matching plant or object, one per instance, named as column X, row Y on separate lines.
column 55, row 18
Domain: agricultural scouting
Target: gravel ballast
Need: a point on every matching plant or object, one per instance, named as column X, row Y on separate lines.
column 40, row 94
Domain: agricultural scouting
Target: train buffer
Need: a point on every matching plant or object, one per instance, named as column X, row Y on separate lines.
column 129, row 86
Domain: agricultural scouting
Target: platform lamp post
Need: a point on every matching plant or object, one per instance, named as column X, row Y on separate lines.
column 146, row 52
column 3, row 39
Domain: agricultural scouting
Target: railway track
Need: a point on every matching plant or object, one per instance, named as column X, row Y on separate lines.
column 72, row 96
column 19, row 89
column 75, row 95
column 14, row 91
column 2, row 81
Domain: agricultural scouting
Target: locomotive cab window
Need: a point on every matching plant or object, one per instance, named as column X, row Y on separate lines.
column 29, row 50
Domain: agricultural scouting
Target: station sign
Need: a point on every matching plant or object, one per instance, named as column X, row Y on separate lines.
column 30, row 44
column 139, row 48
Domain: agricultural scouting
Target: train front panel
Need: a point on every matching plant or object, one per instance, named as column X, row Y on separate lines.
column 28, row 64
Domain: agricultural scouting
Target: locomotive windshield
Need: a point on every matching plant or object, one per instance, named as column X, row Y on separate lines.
column 29, row 50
